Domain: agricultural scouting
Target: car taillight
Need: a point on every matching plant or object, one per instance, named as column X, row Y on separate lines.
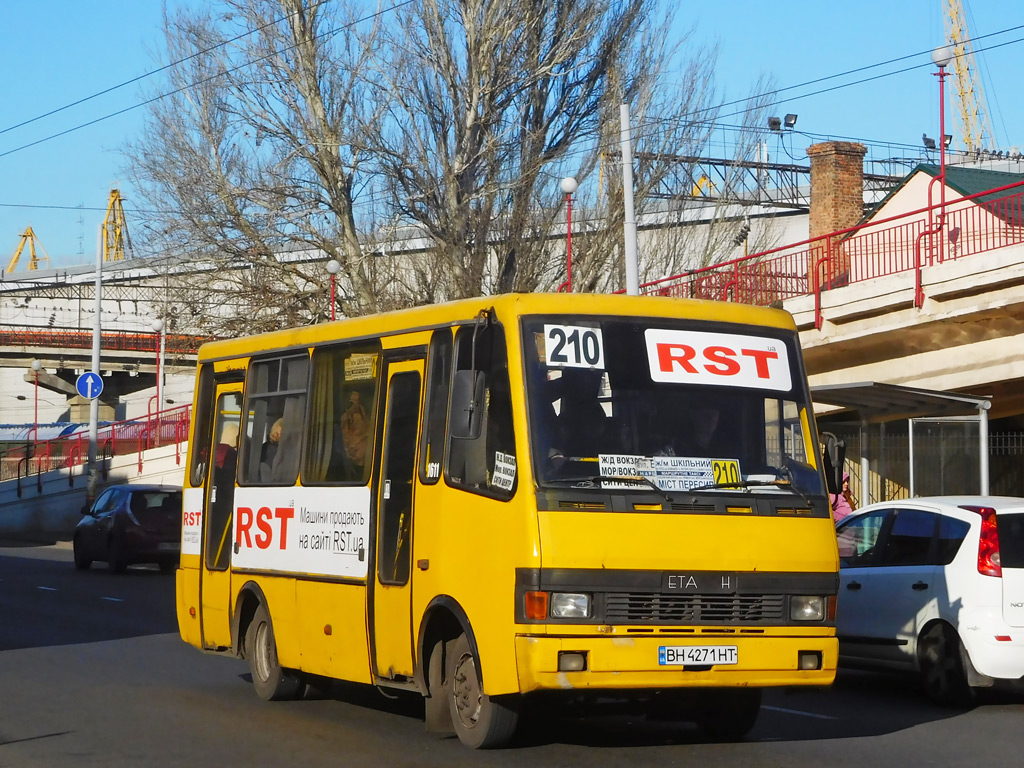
column 988, row 543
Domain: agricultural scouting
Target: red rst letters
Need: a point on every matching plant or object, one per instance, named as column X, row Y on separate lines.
column 721, row 361
column 264, row 522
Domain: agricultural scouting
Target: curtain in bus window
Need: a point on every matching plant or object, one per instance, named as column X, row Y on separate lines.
column 285, row 468
column 322, row 425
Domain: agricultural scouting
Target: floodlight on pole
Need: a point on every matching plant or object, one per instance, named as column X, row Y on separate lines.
column 569, row 186
column 333, row 268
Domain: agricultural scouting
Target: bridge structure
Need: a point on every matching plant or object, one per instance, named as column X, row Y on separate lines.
column 930, row 298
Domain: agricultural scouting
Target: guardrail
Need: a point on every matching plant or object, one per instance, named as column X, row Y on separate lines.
column 969, row 225
column 116, row 439
column 121, row 341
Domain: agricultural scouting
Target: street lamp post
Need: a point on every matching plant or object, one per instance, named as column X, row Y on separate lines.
column 941, row 57
column 569, row 187
column 333, row 268
column 160, row 328
column 36, row 367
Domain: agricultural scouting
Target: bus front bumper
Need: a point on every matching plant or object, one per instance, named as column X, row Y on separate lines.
column 645, row 662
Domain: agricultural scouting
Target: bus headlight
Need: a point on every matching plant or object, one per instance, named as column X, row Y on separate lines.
column 570, row 605
column 806, row 608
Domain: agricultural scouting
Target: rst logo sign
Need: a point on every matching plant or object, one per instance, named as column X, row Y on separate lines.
column 717, row 359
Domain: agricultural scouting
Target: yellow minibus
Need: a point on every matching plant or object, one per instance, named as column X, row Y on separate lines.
column 485, row 500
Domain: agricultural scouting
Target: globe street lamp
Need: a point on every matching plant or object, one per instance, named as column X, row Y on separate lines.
column 333, row 268
column 569, row 187
column 941, row 57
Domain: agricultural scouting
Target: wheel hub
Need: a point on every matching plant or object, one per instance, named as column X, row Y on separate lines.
column 466, row 690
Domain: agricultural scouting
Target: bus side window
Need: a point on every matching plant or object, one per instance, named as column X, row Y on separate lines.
column 275, row 412
column 435, row 417
column 339, row 446
column 203, row 419
column 486, row 464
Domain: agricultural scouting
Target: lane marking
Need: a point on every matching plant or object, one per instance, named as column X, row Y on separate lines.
column 47, row 589
column 113, row 599
column 799, row 712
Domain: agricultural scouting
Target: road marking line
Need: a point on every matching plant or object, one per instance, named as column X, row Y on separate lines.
column 799, row 712
column 48, row 589
column 113, row 599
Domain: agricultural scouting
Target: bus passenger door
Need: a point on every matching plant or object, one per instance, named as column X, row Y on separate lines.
column 215, row 574
column 392, row 590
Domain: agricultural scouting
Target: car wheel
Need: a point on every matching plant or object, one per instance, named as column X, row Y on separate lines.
column 271, row 682
column 727, row 714
column 117, row 560
column 82, row 562
column 943, row 672
column 481, row 721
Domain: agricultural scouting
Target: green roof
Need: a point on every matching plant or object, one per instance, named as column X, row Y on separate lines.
column 966, row 181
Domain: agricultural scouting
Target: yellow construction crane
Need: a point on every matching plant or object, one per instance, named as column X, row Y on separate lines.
column 975, row 126
column 116, row 243
column 29, row 237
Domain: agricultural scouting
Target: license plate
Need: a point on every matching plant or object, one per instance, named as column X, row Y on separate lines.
column 166, row 546
column 703, row 655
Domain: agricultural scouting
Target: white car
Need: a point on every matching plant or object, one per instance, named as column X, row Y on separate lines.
column 935, row 585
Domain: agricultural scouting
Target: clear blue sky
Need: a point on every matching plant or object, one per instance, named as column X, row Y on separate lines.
column 58, row 51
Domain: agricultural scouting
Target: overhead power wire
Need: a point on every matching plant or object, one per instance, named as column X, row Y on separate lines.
column 176, row 91
column 152, row 72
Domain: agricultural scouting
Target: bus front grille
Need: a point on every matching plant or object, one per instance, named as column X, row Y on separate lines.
column 655, row 608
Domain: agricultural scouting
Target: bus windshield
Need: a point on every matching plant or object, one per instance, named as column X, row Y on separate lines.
column 682, row 406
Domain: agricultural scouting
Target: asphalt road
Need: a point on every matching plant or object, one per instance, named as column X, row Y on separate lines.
column 92, row 673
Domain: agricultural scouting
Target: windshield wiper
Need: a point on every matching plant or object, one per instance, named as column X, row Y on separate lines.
column 746, row 485
column 591, row 479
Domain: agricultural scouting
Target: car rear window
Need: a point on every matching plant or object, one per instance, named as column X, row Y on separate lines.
column 1011, row 539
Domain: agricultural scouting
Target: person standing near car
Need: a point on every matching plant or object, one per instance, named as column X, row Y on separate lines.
column 842, row 502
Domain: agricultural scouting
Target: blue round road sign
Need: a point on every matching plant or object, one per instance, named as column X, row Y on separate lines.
column 89, row 385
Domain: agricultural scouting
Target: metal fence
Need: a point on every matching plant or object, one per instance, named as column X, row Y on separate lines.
column 945, row 460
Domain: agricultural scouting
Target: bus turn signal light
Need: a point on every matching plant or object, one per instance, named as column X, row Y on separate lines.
column 537, row 605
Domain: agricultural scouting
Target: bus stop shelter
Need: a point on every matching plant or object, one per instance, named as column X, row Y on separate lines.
column 876, row 403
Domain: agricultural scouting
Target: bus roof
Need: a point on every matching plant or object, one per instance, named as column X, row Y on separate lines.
column 505, row 305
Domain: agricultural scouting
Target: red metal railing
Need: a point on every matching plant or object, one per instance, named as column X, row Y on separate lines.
column 969, row 225
column 118, row 439
column 121, row 341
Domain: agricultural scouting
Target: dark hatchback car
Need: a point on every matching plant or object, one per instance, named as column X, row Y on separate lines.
column 131, row 524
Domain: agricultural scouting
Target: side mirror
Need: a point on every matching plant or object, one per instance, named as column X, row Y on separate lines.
column 85, row 510
column 832, row 460
column 466, row 414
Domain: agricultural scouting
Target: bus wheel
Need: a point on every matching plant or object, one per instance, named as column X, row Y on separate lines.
column 436, row 707
column 481, row 722
column 727, row 714
column 270, row 681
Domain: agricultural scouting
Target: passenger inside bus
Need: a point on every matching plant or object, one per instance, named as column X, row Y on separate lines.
column 581, row 426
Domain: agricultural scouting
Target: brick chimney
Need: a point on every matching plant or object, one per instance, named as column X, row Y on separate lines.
column 837, row 185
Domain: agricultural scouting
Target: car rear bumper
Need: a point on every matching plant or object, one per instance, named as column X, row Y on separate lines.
column 995, row 649
column 632, row 662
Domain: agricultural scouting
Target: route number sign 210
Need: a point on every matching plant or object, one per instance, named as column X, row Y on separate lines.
column 573, row 346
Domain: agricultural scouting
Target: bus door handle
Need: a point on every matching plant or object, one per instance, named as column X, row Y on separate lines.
column 854, row 585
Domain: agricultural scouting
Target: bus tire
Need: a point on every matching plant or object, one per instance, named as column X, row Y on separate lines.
column 437, row 709
column 727, row 714
column 271, row 682
column 480, row 721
